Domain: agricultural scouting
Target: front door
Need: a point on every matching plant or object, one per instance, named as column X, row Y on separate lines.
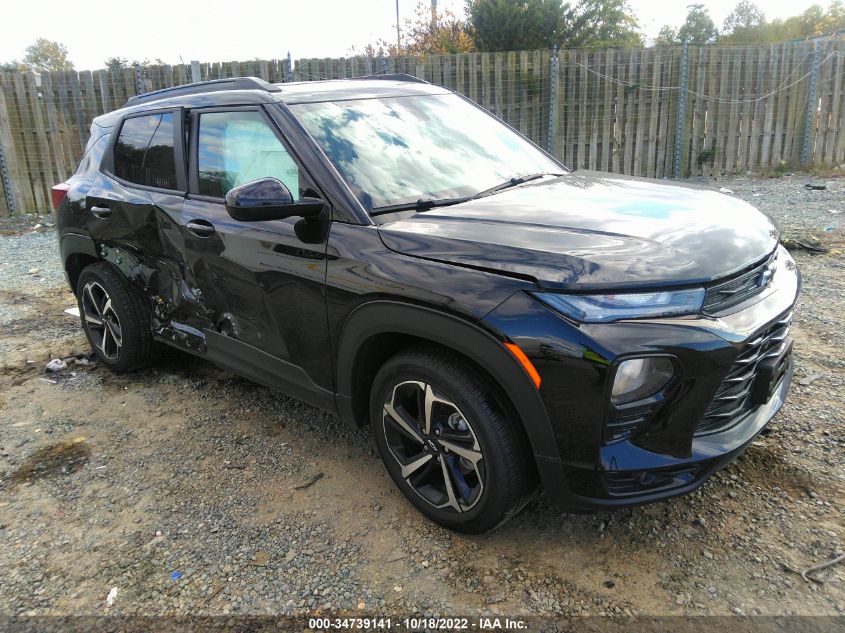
column 262, row 284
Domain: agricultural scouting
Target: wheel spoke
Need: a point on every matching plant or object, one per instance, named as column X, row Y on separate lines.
column 403, row 422
column 115, row 334
column 414, row 466
column 91, row 301
column 93, row 320
column 450, row 487
column 429, row 403
column 473, row 456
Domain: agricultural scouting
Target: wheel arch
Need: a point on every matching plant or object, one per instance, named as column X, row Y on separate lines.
column 377, row 330
column 78, row 252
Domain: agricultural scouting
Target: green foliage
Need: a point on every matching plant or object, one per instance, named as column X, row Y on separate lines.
column 748, row 25
column 119, row 63
column 10, row 66
column 45, row 56
column 422, row 35
column 507, row 25
column 698, row 28
column 116, row 63
column 603, row 24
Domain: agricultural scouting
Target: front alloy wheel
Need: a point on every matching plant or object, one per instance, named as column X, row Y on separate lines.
column 433, row 443
column 447, row 442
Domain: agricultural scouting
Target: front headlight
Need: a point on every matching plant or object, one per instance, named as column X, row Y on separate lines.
column 604, row 308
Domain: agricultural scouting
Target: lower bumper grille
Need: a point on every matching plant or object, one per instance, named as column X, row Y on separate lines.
column 733, row 400
column 620, row 484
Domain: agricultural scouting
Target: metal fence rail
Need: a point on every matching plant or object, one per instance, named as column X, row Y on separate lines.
column 668, row 111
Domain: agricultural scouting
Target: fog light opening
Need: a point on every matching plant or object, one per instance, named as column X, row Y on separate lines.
column 640, row 378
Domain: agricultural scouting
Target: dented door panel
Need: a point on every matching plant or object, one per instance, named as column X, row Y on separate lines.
column 262, row 284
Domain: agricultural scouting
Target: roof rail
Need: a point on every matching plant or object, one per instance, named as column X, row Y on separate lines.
column 216, row 85
column 394, row 77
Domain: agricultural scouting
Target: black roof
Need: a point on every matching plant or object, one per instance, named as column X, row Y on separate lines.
column 252, row 90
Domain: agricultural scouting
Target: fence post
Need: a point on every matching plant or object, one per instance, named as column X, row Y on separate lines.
column 7, row 183
column 139, row 80
column 812, row 107
column 196, row 76
column 290, row 69
column 682, row 112
column 552, row 102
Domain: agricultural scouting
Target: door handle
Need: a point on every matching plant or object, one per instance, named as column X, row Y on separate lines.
column 200, row 228
column 100, row 211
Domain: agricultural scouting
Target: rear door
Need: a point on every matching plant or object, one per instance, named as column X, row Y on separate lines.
column 263, row 283
column 132, row 211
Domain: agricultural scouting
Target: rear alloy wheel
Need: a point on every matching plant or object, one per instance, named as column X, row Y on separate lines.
column 116, row 319
column 101, row 320
column 447, row 442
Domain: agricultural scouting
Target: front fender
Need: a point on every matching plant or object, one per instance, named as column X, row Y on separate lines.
column 466, row 338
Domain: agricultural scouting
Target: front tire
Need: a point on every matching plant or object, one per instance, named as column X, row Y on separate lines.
column 116, row 319
column 447, row 442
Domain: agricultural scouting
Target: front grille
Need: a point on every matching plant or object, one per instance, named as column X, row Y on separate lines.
column 737, row 289
column 733, row 399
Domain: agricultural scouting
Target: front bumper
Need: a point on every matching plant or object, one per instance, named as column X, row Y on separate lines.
column 670, row 455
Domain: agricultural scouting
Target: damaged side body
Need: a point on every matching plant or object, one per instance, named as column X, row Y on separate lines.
column 247, row 298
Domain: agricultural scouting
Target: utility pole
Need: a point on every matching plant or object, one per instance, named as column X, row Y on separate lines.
column 433, row 17
column 398, row 39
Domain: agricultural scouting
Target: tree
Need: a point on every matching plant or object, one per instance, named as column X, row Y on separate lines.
column 667, row 36
column 116, row 63
column 45, row 56
column 512, row 25
column 10, row 66
column 119, row 63
column 603, row 24
column 424, row 34
column 504, row 25
column 698, row 28
column 745, row 24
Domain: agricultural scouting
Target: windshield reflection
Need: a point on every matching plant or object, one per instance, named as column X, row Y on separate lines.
column 402, row 149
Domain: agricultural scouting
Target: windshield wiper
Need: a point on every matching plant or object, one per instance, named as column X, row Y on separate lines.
column 419, row 205
column 513, row 182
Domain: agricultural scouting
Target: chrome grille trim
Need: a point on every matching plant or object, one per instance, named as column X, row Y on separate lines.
column 733, row 291
column 733, row 398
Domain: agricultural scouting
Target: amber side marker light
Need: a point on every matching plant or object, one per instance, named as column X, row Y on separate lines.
column 527, row 365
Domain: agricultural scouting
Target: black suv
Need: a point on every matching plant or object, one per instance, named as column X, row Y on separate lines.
column 390, row 252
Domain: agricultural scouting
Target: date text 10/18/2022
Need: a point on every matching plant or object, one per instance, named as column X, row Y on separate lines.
column 415, row 624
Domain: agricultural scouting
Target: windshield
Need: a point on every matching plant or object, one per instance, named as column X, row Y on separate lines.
column 402, row 149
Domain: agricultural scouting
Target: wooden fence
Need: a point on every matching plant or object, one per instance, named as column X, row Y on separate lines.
column 656, row 112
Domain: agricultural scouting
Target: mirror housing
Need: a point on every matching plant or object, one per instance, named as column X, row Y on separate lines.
column 268, row 199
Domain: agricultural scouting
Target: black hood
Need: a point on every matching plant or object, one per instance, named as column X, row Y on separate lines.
column 589, row 230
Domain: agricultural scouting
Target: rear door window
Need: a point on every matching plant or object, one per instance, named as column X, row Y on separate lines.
column 144, row 153
column 238, row 147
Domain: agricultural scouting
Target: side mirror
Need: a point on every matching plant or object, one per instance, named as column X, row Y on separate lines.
column 268, row 199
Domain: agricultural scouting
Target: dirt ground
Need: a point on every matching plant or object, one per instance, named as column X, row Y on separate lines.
column 185, row 489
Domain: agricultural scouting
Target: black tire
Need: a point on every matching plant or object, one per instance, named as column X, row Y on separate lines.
column 128, row 311
column 504, row 468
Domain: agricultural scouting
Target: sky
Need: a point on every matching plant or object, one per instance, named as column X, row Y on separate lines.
column 239, row 30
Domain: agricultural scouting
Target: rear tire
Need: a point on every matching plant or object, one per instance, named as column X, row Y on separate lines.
column 116, row 319
column 447, row 442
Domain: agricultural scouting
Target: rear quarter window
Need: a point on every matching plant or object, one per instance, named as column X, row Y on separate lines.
column 144, row 152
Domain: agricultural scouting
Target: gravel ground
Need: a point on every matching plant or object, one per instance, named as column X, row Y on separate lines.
column 179, row 489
